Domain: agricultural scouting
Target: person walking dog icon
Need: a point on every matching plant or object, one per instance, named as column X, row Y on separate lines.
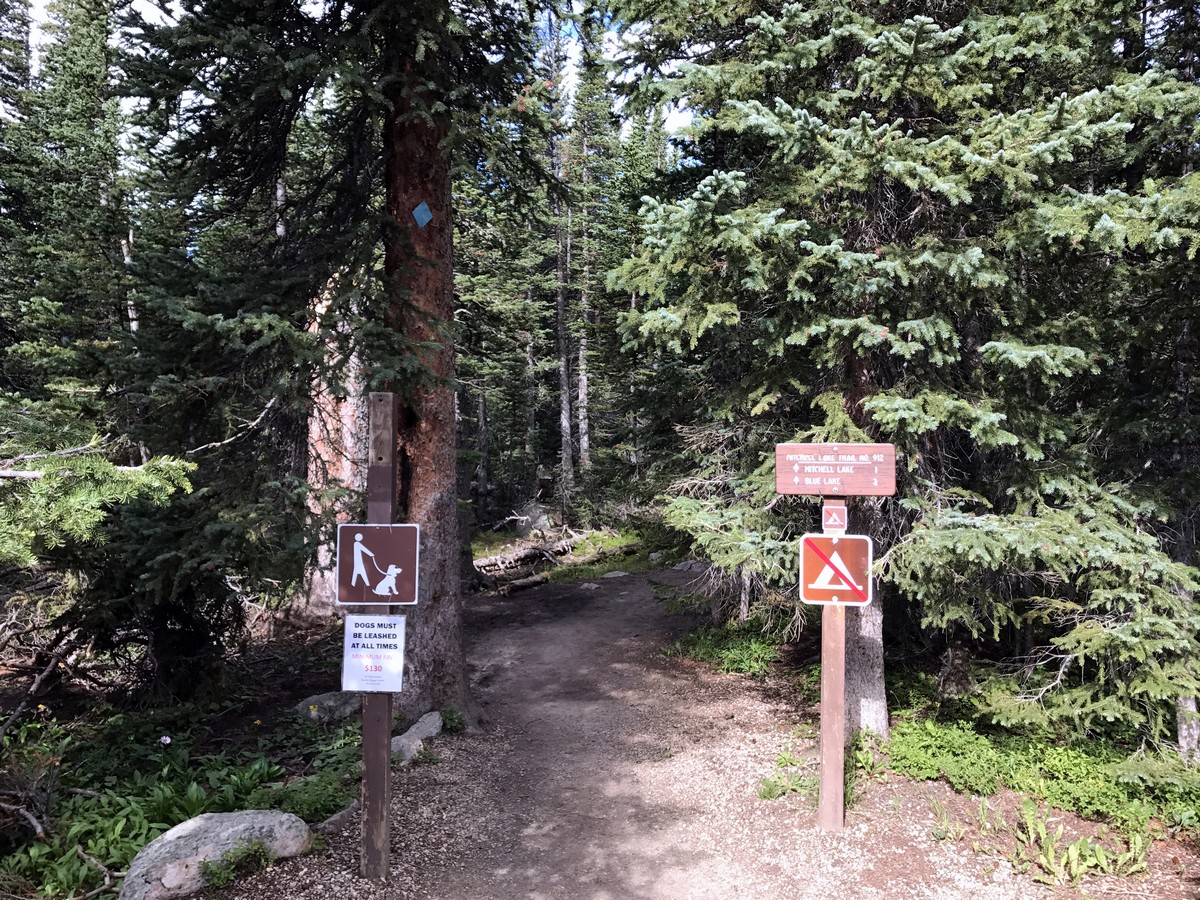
column 361, row 551
column 377, row 563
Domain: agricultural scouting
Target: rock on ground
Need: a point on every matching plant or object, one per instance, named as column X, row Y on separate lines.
column 169, row 866
column 408, row 745
column 325, row 709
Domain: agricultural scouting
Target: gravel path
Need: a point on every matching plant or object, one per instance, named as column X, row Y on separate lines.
column 603, row 771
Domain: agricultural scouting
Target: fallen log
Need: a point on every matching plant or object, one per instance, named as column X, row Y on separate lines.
column 521, row 583
column 525, row 555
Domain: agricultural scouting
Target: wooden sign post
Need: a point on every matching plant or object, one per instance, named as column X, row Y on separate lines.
column 831, row 790
column 375, row 859
column 834, row 577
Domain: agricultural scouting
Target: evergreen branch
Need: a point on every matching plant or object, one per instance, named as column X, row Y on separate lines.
column 35, row 474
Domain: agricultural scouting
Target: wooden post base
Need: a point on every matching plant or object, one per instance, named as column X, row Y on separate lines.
column 831, row 813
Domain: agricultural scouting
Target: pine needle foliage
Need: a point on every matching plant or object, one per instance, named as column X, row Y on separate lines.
column 942, row 228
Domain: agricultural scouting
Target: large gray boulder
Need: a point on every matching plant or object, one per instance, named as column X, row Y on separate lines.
column 169, row 866
column 408, row 745
column 327, row 709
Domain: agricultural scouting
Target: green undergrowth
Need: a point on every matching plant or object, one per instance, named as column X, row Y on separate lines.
column 1095, row 778
column 245, row 859
column 610, row 542
column 109, row 784
column 790, row 774
column 743, row 649
column 489, row 543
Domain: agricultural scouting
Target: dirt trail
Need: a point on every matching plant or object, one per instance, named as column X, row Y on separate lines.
column 603, row 771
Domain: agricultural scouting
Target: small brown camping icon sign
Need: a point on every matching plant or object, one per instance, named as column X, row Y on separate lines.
column 377, row 564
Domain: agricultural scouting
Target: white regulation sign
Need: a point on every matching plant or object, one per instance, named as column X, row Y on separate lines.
column 373, row 654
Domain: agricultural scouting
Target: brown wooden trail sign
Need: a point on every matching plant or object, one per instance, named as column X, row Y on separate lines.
column 835, row 571
column 836, row 470
column 378, row 564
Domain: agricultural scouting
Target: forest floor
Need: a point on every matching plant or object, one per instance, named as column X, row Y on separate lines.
column 602, row 770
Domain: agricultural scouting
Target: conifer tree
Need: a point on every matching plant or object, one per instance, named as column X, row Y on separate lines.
column 919, row 226
column 229, row 81
column 14, row 56
column 65, row 463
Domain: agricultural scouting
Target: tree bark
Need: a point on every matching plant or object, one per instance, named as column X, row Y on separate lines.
column 866, row 699
column 529, row 464
column 483, row 470
column 744, row 594
column 866, row 692
column 581, row 375
column 418, row 264
column 280, row 204
column 1188, row 723
column 581, row 403
column 337, row 458
column 566, row 476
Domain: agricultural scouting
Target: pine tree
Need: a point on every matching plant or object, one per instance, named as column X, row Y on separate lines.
column 916, row 226
column 65, row 465
column 393, row 84
column 14, row 56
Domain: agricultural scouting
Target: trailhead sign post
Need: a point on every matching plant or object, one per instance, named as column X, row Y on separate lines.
column 835, row 572
column 377, row 566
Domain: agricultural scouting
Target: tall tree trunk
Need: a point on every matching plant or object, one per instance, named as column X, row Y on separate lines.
column 1188, row 725
column 529, row 471
column 866, row 692
column 337, row 461
column 587, row 244
column 745, row 589
column 866, row 700
column 483, row 473
column 280, row 203
column 566, row 477
column 418, row 264
column 581, row 400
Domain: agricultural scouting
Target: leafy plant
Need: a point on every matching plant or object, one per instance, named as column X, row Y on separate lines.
column 1058, row 863
column 928, row 749
column 789, row 777
column 945, row 828
column 785, row 782
column 731, row 648
column 112, row 784
column 312, row 798
column 454, row 721
column 425, row 757
column 245, row 859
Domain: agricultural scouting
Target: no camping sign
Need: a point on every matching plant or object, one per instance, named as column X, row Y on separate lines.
column 836, row 569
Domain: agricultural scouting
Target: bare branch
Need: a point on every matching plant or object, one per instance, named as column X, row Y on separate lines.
column 89, row 447
column 110, row 876
column 249, row 426
column 38, row 828
column 55, row 659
